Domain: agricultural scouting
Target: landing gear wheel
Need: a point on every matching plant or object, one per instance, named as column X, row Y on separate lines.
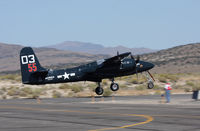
column 114, row 87
column 150, row 85
column 99, row 91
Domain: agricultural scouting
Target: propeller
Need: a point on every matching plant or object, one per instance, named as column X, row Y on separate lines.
column 132, row 57
column 138, row 59
column 118, row 55
column 137, row 63
column 136, row 73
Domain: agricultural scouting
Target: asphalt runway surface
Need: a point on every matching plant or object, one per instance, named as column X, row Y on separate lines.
column 138, row 113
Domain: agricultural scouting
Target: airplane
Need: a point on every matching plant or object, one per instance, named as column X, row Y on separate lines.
column 120, row 65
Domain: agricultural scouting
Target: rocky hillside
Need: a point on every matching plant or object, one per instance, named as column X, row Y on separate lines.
column 180, row 59
column 9, row 57
column 97, row 49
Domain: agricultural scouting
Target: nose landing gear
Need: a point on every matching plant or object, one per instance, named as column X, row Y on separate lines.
column 150, row 85
column 150, row 79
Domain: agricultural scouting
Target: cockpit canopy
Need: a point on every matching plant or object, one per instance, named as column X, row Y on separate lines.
column 127, row 63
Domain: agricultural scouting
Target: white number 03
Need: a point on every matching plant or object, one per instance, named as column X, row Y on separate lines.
column 28, row 59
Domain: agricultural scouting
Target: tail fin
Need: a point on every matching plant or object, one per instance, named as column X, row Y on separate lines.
column 31, row 70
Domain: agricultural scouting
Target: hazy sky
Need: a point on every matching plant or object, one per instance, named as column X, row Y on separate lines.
column 153, row 24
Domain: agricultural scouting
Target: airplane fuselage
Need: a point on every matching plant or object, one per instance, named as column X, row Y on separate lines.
column 92, row 72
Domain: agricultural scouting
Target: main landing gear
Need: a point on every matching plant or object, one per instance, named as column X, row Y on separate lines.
column 99, row 89
column 113, row 86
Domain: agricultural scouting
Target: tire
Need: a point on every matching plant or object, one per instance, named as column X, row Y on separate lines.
column 150, row 85
column 99, row 91
column 114, row 87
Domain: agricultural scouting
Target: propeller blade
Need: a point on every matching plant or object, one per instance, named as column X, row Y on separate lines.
column 138, row 59
column 151, row 75
column 132, row 57
column 136, row 71
column 137, row 76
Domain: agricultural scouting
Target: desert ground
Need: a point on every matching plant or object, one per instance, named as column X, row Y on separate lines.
column 11, row 86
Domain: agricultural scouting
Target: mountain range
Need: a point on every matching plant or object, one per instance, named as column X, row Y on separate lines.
column 48, row 57
column 91, row 48
column 179, row 59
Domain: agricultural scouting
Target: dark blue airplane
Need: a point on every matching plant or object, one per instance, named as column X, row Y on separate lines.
column 120, row 65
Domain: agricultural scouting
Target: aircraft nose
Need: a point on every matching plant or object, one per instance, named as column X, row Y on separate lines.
column 150, row 65
column 144, row 66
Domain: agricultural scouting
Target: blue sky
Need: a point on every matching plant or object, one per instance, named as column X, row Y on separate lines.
column 156, row 24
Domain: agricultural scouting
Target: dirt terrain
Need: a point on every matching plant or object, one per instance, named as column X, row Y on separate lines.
column 11, row 87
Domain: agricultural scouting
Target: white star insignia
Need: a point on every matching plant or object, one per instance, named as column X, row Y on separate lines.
column 66, row 76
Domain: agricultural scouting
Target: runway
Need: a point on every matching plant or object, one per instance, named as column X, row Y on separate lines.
column 120, row 114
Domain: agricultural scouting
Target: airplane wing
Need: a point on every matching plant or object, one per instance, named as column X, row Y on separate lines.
column 113, row 61
column 116, row 59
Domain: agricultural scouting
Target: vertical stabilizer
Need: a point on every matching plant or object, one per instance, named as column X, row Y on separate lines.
column 31, row 70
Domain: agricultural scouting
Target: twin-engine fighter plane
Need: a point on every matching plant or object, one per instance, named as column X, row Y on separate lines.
column 120, row 65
